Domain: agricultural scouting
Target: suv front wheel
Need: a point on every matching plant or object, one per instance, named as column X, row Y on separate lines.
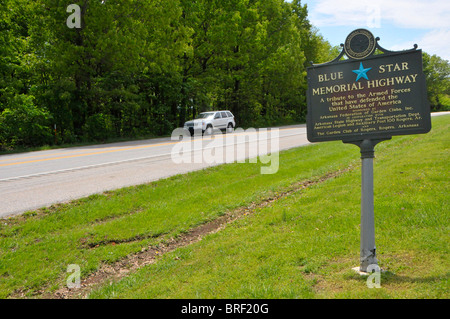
column 208, row 130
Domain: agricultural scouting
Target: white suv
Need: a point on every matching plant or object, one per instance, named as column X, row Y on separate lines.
column 209, row 121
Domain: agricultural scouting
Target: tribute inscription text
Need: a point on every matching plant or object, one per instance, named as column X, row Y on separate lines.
column 374, row 98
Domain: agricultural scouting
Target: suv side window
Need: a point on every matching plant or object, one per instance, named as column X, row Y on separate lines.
column 224, row 114
column 229, row 114
column 217, row 116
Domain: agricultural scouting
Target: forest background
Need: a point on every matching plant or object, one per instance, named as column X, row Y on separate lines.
column 142, row 68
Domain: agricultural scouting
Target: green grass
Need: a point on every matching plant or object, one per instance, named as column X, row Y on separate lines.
column 35, row 249
column 304, row 245
column 301, row 246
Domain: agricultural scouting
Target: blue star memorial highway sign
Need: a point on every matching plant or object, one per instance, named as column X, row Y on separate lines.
column 367, row 95
column 364, row 100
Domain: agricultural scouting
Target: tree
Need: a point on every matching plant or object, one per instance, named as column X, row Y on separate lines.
column 144, row 67
column 22, row 123
column 105, row 73
column 437, row 74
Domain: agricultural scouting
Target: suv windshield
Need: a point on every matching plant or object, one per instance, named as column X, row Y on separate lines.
column 204, row 115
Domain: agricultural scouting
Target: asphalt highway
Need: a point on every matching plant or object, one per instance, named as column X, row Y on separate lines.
column 33, row 180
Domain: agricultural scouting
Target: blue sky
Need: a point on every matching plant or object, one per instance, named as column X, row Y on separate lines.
column 398, row 23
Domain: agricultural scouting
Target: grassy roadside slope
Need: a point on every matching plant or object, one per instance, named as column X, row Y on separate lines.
column 36, row 248
column 300, row 246
column 304, row 245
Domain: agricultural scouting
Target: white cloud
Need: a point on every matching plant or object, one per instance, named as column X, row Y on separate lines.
column 434, row 42
column 400, row 16
column 402, row 13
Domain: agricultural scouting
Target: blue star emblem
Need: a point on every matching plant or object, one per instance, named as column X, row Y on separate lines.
column 362, row 73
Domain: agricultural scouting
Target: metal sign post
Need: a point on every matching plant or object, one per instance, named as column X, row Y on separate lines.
column 367, row 249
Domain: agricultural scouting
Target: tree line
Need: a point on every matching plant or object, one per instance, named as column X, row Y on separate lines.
column 143, row 67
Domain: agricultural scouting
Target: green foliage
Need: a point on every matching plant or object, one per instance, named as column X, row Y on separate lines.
column 138, row 68
column 98, row 127
column 437, row 72
column 142, row 68
column 24, row 124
